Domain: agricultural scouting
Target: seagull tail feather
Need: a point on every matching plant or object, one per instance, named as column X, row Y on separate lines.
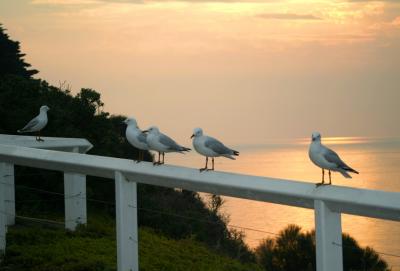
column 352, row 170
column 345, row 174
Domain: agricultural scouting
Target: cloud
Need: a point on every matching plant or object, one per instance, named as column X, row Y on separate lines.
column 287, row 16
column 396, row 22
column 361, row 1
column 63, row 2
column 83, row 2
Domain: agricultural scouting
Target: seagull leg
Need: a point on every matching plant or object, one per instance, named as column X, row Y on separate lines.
column 330, row 180
column 163, row 158
column 158, row 162
column 205, row 168
column 323, row 179
column 139, row 159
column 212, row 160
column 38, row 138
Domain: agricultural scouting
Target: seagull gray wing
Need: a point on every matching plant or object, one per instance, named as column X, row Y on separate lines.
column 142, row 138
column 216, row 146
column 169, row 143
column 30, row 125
column 333, row 157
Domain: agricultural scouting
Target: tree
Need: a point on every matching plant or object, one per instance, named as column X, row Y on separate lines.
column 11, row 58
column 293, row 250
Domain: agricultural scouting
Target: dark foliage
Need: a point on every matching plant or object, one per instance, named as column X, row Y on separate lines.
column 11, row 58
column 93, row 248
column 294, row 250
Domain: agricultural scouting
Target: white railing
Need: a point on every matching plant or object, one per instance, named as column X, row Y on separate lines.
column 327, row 201
column 74, row 184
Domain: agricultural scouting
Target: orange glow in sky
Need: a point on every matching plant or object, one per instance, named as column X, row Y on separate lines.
column 242, row 70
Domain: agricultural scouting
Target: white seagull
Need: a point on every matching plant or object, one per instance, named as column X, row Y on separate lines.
column 161, row 143
column 326, row 158
column 210, row 147
column 136, row 137
column 37, row 123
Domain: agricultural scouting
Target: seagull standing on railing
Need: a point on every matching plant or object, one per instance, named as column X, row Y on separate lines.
column 326, row 158
column 136, row 137
column 37, row 123
column 161, row 143
column 210, row 147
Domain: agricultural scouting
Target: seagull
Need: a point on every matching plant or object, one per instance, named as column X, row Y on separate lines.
column 136, row 137
column 326, row 158
column 210, row 147
column 37, row 123
column 161, row 143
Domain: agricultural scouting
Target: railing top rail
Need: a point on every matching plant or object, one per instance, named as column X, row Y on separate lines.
column 364, row 202
column 53, row 143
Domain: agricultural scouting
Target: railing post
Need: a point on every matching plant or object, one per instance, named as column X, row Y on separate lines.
column 127, row 226
column 4, row 176
column 2, row 220
column 8, row 185
column 75, row 199
column 328, row 235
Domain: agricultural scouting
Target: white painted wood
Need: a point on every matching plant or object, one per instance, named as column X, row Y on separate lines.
column 7, row 174
column 75, row 199
column 50, row 143
column 328, row 235
column 364, row 202
column 3, row 214
column 127, row 227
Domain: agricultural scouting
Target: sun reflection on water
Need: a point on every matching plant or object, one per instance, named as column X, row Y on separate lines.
column 377, row 160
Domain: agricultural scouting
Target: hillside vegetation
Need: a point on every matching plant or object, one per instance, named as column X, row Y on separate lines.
column 93, row 248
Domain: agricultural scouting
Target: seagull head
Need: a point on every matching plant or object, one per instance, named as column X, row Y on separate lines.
column 152, row 130
column 44, row 108
column 197, row 132
column 316, row 136
column 131, row 121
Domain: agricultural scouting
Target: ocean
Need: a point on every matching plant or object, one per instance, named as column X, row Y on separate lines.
column 377, row 160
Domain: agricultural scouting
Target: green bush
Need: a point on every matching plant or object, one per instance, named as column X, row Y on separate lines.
column 94, row 249
column 294, row 250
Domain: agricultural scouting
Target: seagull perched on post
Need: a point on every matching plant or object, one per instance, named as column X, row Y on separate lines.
column 37, row 123
column 326, row 158
column 162, row 143
column 210, row 147
column 136, row 137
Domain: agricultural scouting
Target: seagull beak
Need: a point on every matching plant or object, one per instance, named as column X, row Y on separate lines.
column 192, row 136
column 145, row 131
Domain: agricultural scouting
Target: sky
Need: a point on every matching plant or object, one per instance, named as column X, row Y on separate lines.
column 247, row 72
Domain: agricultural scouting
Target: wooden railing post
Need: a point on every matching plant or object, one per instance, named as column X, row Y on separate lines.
column 75, row 199
column 6, row 195
column 127, row 226
column 328, row 235
column 8, row 181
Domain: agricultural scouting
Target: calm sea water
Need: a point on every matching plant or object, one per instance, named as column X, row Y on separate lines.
column 377, row 159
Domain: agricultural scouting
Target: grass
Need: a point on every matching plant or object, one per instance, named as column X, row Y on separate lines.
column 93, row 248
